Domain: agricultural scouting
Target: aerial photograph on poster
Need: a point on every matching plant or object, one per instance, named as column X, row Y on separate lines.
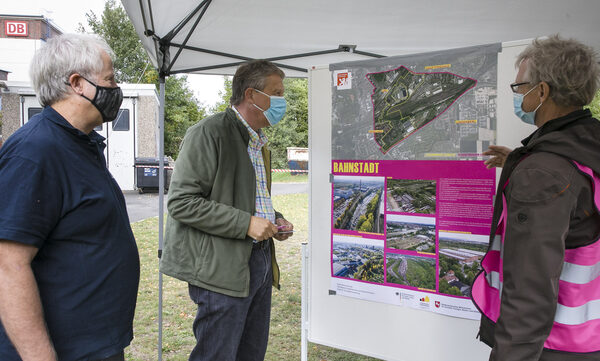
column 358, row 203
column 410, row 233
column 417, row 107
column 460, row 261
column 405, row 101
column 357, row 258
column 411, row 271
column 411, row 196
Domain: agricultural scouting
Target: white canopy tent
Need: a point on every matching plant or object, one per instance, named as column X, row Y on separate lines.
column 215, row 36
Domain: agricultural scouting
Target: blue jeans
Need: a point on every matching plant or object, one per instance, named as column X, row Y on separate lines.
column 235, row 328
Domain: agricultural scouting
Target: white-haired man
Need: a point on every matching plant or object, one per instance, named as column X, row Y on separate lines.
column 69, row 266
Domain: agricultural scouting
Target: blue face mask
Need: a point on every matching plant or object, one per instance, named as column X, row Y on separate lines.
column 527, row 117
column 276, row 110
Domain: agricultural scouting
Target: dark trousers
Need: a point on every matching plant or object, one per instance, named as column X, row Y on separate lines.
column 118, row 357
column 235, row 328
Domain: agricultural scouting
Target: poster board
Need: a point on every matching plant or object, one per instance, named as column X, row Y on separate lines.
column 377, row 329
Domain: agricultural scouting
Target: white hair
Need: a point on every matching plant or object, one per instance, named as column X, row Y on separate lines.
column 61, row 57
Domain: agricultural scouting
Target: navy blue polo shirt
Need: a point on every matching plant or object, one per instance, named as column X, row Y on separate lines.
column 57, row 195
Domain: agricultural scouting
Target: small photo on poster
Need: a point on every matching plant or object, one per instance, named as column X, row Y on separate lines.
column 413, row 271
column 358, row 258
column 411, row 196
column 460, row 261
column 410, row 233
column 358, row 203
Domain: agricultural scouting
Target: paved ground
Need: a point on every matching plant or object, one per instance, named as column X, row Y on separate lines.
column 142, row 206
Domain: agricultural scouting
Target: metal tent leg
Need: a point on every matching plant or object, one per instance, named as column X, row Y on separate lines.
column 304, row 308
column 161, row 196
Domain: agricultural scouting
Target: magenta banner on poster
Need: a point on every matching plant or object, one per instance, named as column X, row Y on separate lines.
column 410, row 232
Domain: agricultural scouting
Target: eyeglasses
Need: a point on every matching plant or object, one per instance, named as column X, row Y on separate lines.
column 515, row 86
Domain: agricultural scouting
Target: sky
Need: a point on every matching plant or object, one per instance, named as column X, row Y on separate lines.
column 67, row 14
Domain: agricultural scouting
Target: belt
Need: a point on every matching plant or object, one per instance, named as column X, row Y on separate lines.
column 261, row 245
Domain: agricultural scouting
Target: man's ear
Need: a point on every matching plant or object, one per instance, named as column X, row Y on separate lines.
column 248, row 94
column 544, row 91
column 76, row 82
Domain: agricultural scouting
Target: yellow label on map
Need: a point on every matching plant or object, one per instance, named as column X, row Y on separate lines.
column 441, row 66
column 373, row 233
column 455, row 232
column 376, row 131
column 467, row 121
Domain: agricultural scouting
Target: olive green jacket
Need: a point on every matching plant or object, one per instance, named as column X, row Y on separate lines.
column 211, row 200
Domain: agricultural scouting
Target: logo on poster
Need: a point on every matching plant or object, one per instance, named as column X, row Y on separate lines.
column 437, row 304
column 342, row 79
column 16, row 28
column 424, row 303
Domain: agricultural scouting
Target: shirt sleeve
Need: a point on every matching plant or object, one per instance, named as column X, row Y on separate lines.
column 540, row 201
column 192, row 182
column 31, row 201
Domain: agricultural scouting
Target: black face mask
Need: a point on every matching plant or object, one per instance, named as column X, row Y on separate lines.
column 107, row 101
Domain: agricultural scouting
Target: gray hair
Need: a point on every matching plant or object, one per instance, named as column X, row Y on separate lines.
column 61, row 57
column 252, row 75
column 568, row 66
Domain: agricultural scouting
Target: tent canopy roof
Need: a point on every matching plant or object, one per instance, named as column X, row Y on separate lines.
column 214, row 36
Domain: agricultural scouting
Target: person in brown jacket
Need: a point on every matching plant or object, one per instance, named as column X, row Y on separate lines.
column 549, row 212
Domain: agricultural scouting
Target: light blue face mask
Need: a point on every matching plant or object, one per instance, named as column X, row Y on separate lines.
column 527, row 117
column 276, row 110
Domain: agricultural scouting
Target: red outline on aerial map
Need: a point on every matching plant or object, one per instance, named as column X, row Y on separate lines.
column 416, row 130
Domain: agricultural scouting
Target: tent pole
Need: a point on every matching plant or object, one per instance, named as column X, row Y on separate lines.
column 161, row 195
column 304, row 304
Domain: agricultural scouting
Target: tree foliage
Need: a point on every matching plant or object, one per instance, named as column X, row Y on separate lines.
column 292, row 131
column 224, row 96
column 420, row 273
column 594, row 106
column 181, row 111
column 132, row 65
column 445, row 288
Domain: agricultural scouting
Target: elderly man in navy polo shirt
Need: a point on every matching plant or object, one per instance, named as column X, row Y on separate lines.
column 69, row 265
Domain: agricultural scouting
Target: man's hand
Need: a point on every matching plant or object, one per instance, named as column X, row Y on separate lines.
column 261, row 229
column 283, row 226
column 498, row 153
column 20, row 305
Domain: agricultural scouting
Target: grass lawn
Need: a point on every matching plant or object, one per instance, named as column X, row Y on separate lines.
column 179, row 310
column 286, row 177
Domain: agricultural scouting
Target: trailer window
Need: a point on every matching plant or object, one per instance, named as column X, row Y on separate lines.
column 121, row 124
column 33, row 111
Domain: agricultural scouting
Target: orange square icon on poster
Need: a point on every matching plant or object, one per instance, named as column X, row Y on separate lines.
column 342, row 79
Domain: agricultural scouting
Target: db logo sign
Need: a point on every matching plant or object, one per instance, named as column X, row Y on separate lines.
column 437, row 304
column 16, row 28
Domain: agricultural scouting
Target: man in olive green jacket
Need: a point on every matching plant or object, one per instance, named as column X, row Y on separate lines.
column 221, row 223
